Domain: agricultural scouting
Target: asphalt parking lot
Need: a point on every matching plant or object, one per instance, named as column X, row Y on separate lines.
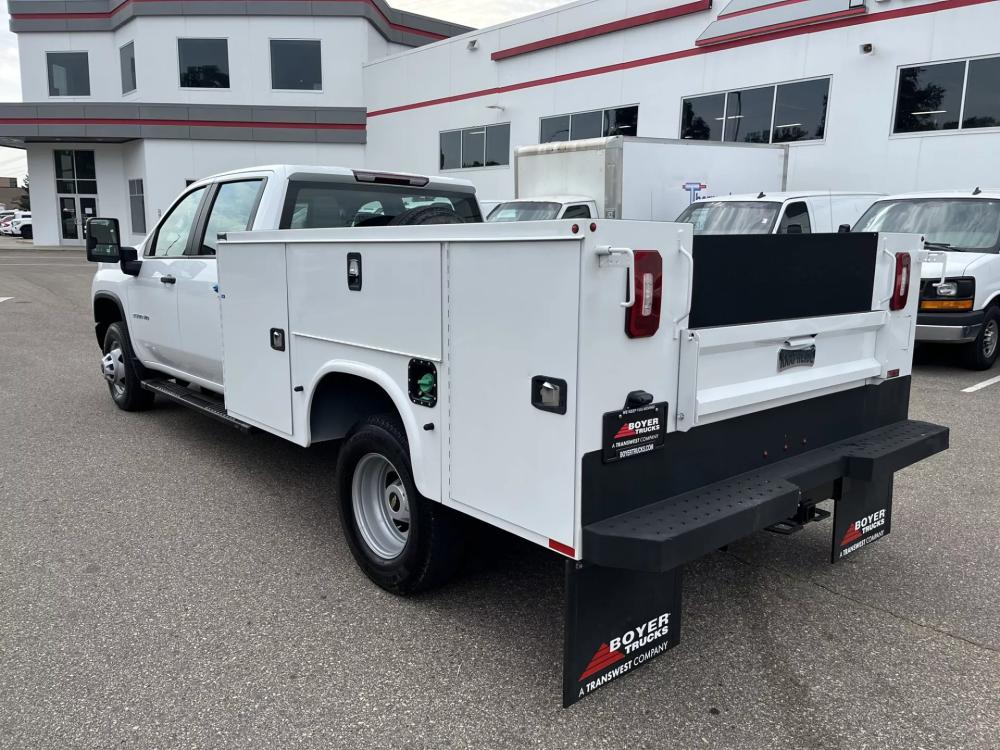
column 166, row 582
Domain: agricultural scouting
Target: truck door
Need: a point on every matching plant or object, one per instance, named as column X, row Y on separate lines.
column 154, row 324
column 233, row 205
column 795, row 219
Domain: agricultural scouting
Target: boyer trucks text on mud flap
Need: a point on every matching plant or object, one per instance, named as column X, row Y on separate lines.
column 610, row 391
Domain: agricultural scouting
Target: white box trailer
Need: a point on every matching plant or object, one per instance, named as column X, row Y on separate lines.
column 647, row 179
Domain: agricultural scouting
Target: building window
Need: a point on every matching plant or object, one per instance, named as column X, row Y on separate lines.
column 596, row 123
column 948, row 96
column 204, row 63
column 69, row 73
column 137, row 206
column 929, row 97
column 783, row 113
column 296, row 65
column 75, row 172
column 126, row 57
column 486, row 146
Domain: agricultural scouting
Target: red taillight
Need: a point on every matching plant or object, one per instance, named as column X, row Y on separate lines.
column 901, row 285
column 643, row 318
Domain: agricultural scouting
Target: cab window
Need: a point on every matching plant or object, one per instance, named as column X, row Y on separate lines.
column 232, row 211
column 173, row 234
column 795, row 219
column 580, row 211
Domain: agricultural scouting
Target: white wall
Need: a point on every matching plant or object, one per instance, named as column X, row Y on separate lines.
column 345, row 44
column 858, row 151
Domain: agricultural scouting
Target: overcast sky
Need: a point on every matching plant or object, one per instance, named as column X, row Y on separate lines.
column 477, row 13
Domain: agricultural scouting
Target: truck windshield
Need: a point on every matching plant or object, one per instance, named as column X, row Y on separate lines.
column 525, row 211
column 330, row 205
column 731, row 217
column 967, row 224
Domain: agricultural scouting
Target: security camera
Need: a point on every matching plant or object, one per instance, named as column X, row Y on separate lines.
column 866, row 49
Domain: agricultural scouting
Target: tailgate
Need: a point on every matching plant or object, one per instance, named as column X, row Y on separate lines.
column 777, row 319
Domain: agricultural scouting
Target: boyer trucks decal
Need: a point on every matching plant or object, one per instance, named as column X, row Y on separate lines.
column 862, row 516
column 633, row 432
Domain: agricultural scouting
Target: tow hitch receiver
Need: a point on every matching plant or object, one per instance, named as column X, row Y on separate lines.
column 806, row 513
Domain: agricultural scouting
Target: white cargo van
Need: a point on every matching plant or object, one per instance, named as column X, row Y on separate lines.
column 803, row 212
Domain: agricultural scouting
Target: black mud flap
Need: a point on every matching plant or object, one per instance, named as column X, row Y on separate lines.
column 616, row 621
column 862, row 515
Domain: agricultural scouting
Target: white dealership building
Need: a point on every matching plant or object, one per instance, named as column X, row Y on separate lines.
column 126, row 101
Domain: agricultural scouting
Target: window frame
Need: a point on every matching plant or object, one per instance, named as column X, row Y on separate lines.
column 48, row 77
column 604, row 118
column 270, row 64
column 180, row 84
column 486, row 137
column 961, row 129
column 135, row 70
column 774, row 102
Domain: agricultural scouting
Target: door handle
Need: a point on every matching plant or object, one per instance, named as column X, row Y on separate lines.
column 168, row 280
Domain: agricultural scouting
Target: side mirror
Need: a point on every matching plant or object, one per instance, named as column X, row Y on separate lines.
column 793, row 229
column 129, row 261
column 103, row 240
column 844, row 229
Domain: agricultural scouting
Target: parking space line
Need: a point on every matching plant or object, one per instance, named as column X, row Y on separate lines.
column 4, row 299
column 980, row 386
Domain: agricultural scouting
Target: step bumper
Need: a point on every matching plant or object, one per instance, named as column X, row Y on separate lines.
column 670, row 532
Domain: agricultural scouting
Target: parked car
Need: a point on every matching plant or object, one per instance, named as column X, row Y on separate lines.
column 803, row 212
column 10, row 226
column 545, row 208
column 18, row 224
column 959, row 294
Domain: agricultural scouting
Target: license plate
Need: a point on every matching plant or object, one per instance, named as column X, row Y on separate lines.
column 804, row 356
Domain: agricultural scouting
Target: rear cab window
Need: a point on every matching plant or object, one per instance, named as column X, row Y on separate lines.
column 316, row 203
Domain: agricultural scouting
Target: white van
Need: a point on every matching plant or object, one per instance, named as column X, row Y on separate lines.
column 803, row 212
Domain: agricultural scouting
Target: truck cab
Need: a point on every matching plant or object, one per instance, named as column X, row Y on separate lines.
column 802, row 212
column 960, row 292
column 546, row 208
column 167, row 288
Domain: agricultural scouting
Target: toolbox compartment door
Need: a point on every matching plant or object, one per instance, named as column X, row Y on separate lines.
column 513, row 316
column 254, row 303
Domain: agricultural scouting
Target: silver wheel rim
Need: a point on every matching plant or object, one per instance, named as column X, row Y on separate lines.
column 991, row 335
column 381, row 507
column 113, row 369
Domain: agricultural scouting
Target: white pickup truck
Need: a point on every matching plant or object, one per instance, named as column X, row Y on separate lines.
column 568, row 382
column 960, row 291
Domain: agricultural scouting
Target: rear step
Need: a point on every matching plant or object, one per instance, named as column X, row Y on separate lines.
column 682, row 528
column 210, row 407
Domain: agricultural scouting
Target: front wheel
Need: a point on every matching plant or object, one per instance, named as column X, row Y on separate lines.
column 118, row 368
column 982, row 353
column 403, row 542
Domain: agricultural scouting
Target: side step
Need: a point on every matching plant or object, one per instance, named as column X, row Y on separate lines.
column 210, row 407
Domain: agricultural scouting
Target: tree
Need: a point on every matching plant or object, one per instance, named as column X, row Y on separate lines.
column 25, row 200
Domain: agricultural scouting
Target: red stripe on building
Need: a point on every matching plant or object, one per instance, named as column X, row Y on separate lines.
column 68, row 16
column 826, row 17
column 766, row 6
column 889, row 15
column 607, row 28
column 179, row 123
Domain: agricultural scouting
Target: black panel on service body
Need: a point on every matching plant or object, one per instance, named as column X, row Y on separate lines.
column 740, row 279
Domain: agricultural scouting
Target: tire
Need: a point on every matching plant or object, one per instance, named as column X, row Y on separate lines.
column 982, row 353
column 426, row 215
column 402, row 552
column 120, row 371
column 26, row 233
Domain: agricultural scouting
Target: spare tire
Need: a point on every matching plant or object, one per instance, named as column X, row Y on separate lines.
column 427, row 215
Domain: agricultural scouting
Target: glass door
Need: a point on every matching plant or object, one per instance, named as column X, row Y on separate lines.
column 74, row 210
column 69, row 219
